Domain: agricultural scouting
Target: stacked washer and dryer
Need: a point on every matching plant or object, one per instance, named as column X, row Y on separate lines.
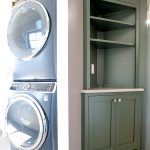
column 31, row 115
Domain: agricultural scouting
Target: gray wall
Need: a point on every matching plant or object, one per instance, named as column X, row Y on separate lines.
column 144, row 74
column 75, row 48
column 147, row 102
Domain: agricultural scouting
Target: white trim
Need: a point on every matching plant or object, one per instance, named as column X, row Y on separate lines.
column 62, row 74
column 112, row 90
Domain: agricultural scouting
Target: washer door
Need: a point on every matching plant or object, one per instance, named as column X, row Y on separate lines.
column 28, row 29
column 26, row 123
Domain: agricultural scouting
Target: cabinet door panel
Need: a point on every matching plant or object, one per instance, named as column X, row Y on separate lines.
column 101, row 123
column 127, row 124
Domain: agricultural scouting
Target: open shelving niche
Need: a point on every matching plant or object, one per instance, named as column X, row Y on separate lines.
column 112, row 45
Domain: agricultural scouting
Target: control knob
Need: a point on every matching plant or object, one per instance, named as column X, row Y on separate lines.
column 26, row 86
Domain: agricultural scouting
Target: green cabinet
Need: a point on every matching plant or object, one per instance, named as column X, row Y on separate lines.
column 111, row 122
column 110, row 44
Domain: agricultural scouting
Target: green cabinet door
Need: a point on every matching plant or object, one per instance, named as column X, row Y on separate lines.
column 127, row 122
column 101, row 123
column 111, row 122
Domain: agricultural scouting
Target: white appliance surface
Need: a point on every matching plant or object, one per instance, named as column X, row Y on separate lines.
column 4, row 143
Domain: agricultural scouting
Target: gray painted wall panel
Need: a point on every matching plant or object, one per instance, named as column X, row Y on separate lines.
column 75, row 48
column 142, row 79
column 119, row 67
column 147, row 102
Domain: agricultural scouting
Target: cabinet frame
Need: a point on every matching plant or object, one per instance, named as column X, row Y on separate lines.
column 89, row 80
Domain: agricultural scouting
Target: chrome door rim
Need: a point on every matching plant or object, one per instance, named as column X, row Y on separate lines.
column 41, row 116
column 47, row 30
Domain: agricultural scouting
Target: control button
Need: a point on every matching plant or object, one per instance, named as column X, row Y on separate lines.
column 26, row 86
column 49, row 88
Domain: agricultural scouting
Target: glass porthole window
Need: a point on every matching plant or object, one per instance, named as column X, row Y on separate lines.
column 26, row 123
column 28, row 29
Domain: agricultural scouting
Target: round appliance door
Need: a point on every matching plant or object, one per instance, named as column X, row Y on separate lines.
column 26, row 124
column 28, row 29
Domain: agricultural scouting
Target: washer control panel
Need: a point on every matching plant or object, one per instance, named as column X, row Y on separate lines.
column 34, row 86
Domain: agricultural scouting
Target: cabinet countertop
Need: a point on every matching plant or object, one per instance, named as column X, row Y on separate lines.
column 112, row 90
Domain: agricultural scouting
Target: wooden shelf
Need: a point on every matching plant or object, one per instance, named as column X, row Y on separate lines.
column 104, row 24
column 99, row 43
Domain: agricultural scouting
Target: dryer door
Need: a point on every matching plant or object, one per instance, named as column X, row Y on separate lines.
column 26, row 123
column 28, row 29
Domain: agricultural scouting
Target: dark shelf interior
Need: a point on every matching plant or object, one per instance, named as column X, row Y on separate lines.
column 111, row 43
column 104, row 7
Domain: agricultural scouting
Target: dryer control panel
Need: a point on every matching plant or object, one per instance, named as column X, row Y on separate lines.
column 34, row 86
